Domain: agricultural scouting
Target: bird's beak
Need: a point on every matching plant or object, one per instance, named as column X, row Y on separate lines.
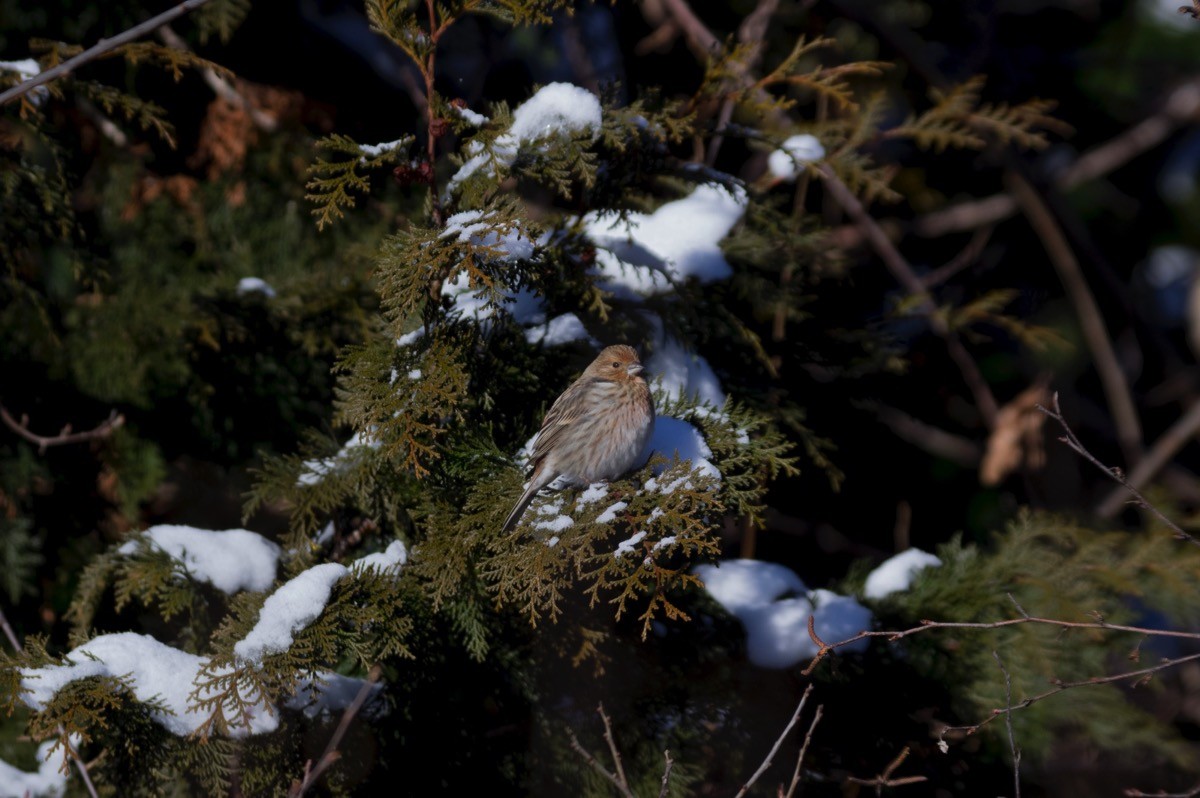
column 633, row 368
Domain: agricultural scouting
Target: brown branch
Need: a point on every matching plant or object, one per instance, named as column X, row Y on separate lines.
column 803, row 750
column 885, row 778
column 100, row 48
column 331, row 753
column 621, row 786
column 612, row 745
column 1060, row 686
column 1113, row 473
column 666, row 779
column 1116, row 388
column 1012, row 738
column 752, row 30
column 955, row 448
column 908, row 278
column 778, row 742
column 1179, row 108
column 114, row 422
column 1171, row 441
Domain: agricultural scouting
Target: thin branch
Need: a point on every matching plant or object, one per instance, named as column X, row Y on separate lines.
column 778, row 742
column 752, row 30
column 1114, row 473
column 908, row 278
column 1171, row 441
column 666, row 779
column 1116, row 387
column 9, row 633
column 1060, row 686
column 114, row 422
column 803, row 750
column 938, row 442
column 885, row 778
column 331, row 753
column 612, row 745
column 100, row 48
column 596, row 766
column 1012, row 738
column 1179, row 108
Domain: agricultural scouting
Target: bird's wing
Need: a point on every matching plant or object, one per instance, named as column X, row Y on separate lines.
column 566, row 410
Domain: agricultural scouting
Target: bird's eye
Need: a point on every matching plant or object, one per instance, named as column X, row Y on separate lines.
column 616, row 365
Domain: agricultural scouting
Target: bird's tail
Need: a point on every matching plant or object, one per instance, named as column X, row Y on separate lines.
column 519, row 510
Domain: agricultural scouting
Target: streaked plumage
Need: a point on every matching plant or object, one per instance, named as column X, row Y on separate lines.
column 596, row 430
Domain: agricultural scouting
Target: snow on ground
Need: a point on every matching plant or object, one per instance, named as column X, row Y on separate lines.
column 48, row 781
column 158, row 672
column 555, row 110
column 774, row 606
column 897, row 573
column 786, row 162
column 254, row 285
column 231, row 560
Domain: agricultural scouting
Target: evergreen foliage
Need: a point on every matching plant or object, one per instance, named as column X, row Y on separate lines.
column 380, row 364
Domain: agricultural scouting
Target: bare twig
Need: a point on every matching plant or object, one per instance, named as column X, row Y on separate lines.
column 9, row 633
column 1060, row 686
column 114, row 422
column 908, row 278
column 803, row 750
column 331, row 754
column 100, row 48
column 666, row 779
column 1116, row 388
column 778, row 742
column 885, row 778
column 621, row 786
column 1170, row 442
column 1012, row 738
column 612, row 745
column 1114, row 473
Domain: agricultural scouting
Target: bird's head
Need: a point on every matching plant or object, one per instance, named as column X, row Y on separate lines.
column 616, row 363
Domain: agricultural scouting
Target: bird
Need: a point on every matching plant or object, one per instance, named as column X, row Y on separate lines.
column 595, row 431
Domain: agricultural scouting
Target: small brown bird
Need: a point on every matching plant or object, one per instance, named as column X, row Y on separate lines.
column 596, row 430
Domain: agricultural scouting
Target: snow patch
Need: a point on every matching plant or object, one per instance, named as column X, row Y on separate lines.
column 254, row 285
column 375, row 150
column 230, row 560
column 774, row 606
column 610, row 515
column 626, row 546
column 48, row 781
column 786, row 162
column 897, row 573
column 288, row 610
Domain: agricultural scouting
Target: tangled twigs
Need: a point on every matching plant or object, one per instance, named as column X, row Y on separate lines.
column 114, row 422
column 812, row 727
column 1115, row 474
column 775, row 748
column 885, row 778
